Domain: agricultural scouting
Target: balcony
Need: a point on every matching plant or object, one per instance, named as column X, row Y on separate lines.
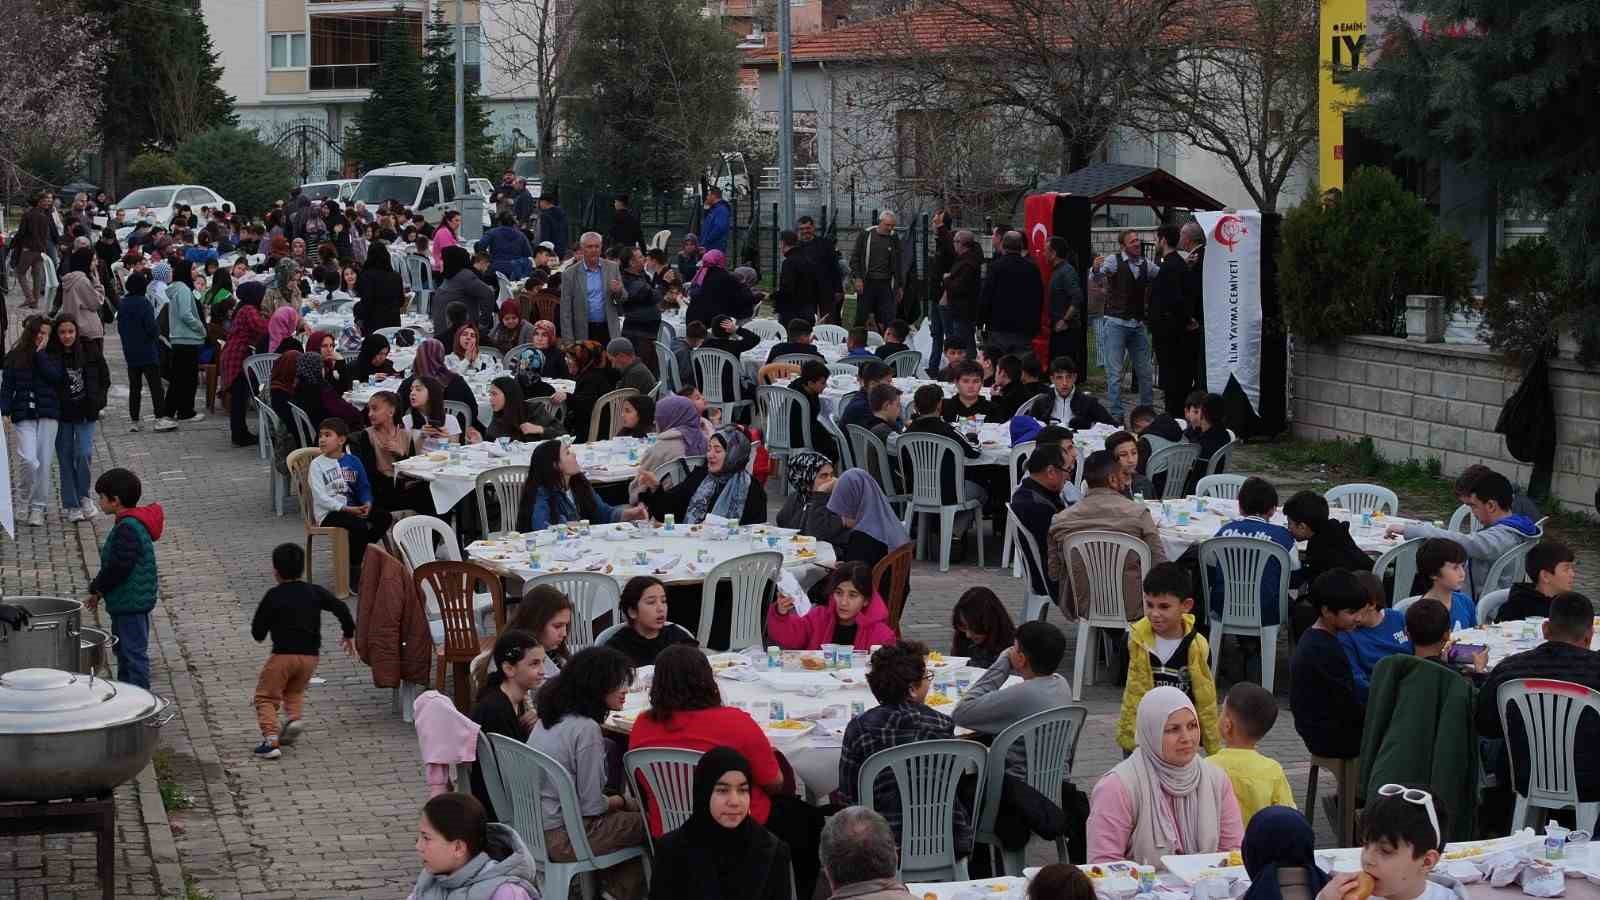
column 349, row 77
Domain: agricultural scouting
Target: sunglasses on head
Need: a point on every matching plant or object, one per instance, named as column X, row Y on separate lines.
column 1421, row 798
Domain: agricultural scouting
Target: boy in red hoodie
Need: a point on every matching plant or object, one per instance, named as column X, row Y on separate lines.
column 127, row 580
column 854, row 615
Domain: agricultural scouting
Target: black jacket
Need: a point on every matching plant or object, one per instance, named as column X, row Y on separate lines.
column 1523, row 602
column 720, row 294
column 679, row 872
column 625, row 229
column 1012, row 295
column 1004, row 402
column 1330, row 548
column 962, row 284
column 1168, row 311
column 1086, row 410
column 823, row 258
column 1329, row 715
column 382, row 294
column 1559, row 661
column 1163, row 427
column 947, row 474
column 1035, row 507
column 787, row 347
column 84, row 387
column 808, row 511
column 799, row 293
column 675, row 500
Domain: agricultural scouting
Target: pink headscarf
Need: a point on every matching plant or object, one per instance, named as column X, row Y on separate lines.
column 714, row 259
column 284, row 322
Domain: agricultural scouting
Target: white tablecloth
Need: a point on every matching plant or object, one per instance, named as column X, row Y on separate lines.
column 1507, row 638
column 359, row 394
column 335, row 322
column 827, row 696
column 1202, row 525
column 604, row 462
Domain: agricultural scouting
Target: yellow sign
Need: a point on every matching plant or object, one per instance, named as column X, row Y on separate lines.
column 1343, row 36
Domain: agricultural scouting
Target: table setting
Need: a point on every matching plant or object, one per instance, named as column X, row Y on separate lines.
column 451, row 471
column 1184, row 523
column 804, row 699
column 362, row 391
column 335, row 321
column 756, row 357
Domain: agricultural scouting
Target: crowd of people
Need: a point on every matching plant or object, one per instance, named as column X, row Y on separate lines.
column 1368, row 656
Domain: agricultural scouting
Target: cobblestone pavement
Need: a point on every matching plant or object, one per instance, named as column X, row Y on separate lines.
column 336, row 815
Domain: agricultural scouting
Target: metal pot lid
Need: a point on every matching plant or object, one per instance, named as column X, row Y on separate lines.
column 48, row 701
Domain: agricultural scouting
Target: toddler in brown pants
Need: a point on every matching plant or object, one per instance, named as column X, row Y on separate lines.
column 292, row 614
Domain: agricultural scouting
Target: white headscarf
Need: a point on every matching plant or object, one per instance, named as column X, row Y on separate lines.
column 1187, row 816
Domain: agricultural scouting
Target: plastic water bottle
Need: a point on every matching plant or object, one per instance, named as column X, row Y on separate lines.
column 777, row 711
column 774, row 657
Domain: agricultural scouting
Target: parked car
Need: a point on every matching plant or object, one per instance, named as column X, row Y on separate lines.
column 161, row 201
column 430, row 190
column 341, row 189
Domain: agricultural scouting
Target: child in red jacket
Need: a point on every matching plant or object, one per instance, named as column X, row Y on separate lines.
column 848, row 618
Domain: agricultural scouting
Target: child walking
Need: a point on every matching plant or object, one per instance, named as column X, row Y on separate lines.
column 1164, row 649
column 127, row 581
column 291, row 613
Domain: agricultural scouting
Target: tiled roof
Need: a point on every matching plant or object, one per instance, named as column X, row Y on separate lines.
column 927, row 29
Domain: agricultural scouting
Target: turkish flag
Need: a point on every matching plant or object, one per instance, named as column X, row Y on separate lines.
column 1039, row 214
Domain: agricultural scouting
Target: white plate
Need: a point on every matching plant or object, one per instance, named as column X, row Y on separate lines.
column 1003, row 887
column 786, row 734
column 1195, row 866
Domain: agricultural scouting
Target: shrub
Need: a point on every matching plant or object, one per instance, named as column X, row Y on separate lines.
column 237, row 164
column 1346, row 269
column 152, row 168
column 1530, row 302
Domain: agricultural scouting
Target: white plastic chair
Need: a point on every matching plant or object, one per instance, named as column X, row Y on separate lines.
column 419, row 278
column 1507, row 569
column 847, row 458
column 593, row 594
column 610, row 631
column 1549, row 710
column 1049, row 740
column 906, row 363
column 797, row 359
column 871, row 454
column 668, row 363
column 768, row 329
column 463, row 413
column 1104, row 555
column 925, row 455
column 506, row 482
column 874, row 339
column 1016, row 470
column 843, row 367
column 926, row 775
column 713, row 368
column 1359, row 498
column 831, row 334
column 610, row 406
column 304, row 429
column 507, row 288
column 523, row 773
column 1464, row 521
column 749, row 575
column 279, row 482
column 1404, row 559
column 258, row 367
column 1242, row 563
column 780, row 406
column 1036, row 597
column 667, row 774
column 1220, row 487
column 1490, row 604
column 1220, row 456
column 1175, row 460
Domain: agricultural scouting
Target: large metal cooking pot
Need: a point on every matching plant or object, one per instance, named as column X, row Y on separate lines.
column 95, row 650
column 50, row 639
column 68, row 735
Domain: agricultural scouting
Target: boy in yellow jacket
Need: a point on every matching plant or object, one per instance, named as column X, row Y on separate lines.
column 1165, row 649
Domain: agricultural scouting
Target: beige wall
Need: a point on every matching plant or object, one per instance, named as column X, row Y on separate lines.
column 286, row 82
column 286, row 15
column 471, row 13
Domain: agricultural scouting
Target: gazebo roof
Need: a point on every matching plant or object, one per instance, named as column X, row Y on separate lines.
column 1119, row 184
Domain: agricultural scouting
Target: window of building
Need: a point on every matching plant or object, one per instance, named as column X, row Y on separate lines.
column 472, row 58
column 914, row 130
column 288, row 51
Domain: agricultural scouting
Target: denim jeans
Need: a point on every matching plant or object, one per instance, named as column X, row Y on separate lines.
column 1126, row 337
column 36, row 446
column 133, row 648
column 954, row 327
column 74, row 447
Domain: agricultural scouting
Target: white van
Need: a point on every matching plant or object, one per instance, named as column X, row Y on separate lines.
column 430, row 190
column 341, row 189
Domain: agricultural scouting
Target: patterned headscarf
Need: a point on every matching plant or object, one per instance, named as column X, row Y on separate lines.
column 284, row 278
column 546, row 328
column 162, row 272
column 801, row 471
column 589, row 355
column 308, row 370
column 722, row 493
column 429, row 361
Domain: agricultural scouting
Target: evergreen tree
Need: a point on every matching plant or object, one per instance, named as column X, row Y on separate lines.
column 1509, row 90
column 439, row 70
column 396, row 121
column 661, row 92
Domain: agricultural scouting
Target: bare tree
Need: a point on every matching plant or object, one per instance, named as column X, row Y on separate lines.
column 1252, row 100
column 530, row 43
column 52, row 112
column 1074, row 66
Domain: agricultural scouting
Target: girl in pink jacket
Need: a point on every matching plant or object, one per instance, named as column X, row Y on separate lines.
column 849, row 617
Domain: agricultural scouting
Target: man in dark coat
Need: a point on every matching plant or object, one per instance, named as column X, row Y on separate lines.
column 961, row 288
column 1011, row 299
column 625, row 228
column 820, row 253
column 1168, row 316
column 1067, row 309
column 798, row 295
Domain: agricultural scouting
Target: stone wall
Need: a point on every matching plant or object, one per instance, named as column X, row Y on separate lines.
column 1441, row 401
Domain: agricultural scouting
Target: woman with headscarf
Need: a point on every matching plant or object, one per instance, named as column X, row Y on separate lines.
column 544, row 339
column 281, row 383
column 858, row 501
column 594, row 377
column 721, row 487
column 246, row 330
column 1278, row 855
column 81, row 298
column 160, row 277
column 513, row 419
column 429, row 361
column 283, row 329
column 714, row 292
column 277, row 251
column 285, row 290
column 721, row 852
column 748, row 298
column 372, row 359
column 186, row 329
column 459, row 284
column 510, row 330
column 678, row 435
column 381, row 289
column 811, row 481
column 1164, row 799
column 316, row 389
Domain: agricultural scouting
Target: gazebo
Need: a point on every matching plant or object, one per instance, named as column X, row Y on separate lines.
column 1119, row 184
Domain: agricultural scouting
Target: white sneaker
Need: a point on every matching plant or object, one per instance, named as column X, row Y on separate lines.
column 134, row 428
column 165, row 424
column 75, row 514
column 89, row 509
column 36, row 518
column 197, row 417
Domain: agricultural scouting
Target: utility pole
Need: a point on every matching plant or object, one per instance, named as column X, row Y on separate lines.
column 785, row 119
column 467, row 201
